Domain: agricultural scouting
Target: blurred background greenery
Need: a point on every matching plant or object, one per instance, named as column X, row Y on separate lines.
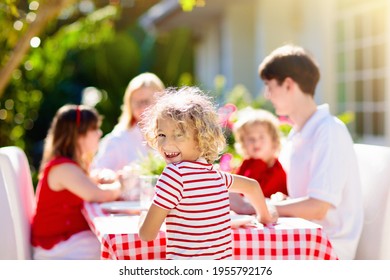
column 55, row 52
column 90, row 50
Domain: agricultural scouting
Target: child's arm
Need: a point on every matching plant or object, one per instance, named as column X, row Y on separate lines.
column 251, row 189
column 239, row 205
column 69, row 176
column 151, row 225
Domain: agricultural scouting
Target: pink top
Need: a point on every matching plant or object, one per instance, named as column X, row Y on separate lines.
column 58, row 213
column 198, row 224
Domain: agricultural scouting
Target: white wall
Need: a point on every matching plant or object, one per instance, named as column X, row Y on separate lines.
column 227, row 47
column 207, row 56
column 318, row 36
column 238, row 28
column 248, row 30
column 237, row 45
column 277, row 22
column 299, row 22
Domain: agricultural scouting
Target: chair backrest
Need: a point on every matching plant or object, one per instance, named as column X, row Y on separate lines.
column 17, row 204
column 374, row 168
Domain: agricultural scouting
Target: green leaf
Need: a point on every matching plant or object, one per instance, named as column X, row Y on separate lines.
column 347, row 117
column 187, row 5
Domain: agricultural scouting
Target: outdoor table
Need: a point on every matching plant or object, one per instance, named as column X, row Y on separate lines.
column 288, row 239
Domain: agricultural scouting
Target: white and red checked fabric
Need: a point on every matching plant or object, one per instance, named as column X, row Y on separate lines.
column 281, row 244
column 290, row 239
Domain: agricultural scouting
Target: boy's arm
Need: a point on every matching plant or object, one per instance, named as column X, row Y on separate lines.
column 306, row 208
column 151, row 225
column 251, row 189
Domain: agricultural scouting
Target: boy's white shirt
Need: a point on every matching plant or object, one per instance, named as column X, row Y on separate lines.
column 321, row 163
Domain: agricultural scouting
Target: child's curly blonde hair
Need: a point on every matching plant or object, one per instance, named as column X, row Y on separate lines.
column 190, row 108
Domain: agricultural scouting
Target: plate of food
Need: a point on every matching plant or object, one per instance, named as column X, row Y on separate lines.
column 241, row 220
column 127, row 207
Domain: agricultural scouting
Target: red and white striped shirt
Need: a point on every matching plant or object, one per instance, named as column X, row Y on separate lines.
column 198, row 224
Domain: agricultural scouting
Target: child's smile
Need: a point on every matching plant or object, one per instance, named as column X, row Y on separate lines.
column 174, row 144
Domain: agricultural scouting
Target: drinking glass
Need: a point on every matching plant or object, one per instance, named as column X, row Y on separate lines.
column 147, row 184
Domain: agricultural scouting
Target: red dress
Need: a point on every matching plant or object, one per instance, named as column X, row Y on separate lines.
column 58, row 214
column 271, row 179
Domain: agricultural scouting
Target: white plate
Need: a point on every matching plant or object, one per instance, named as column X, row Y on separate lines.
column 129, row 207
column 241, row 220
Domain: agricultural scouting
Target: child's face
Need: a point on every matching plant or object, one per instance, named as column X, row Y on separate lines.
column 173, row 145
column 257, row 142
column 89, row 142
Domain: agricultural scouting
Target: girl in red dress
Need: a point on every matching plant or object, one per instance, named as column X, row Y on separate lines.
column 59, row 230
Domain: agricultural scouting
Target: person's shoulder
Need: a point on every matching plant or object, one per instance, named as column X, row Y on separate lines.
column 277, row 165
column 115, row 136
column 60, row 161
column 172, row 167
column 332, row 124
column 63, row 167
column 178, row 167
column 253, row 164
column 117, row 132
column 325, row 122
column 185, row 167
column 332, row 130
column 324, row 117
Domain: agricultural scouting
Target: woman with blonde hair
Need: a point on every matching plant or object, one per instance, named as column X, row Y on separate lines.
column 125, row 143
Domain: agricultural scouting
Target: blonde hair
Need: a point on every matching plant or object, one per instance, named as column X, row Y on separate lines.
column 144, row 80
column 190, row 108
column 248, row 117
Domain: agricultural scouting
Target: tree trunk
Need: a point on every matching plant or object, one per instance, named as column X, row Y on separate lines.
column 47, row 11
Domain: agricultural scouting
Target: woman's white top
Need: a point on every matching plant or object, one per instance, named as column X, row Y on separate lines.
column 321, row 163
column 119, row 148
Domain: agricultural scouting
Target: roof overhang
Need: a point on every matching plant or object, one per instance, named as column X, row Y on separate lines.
column 168, row 15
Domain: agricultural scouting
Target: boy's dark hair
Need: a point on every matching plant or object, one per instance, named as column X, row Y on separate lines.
column 294, row 62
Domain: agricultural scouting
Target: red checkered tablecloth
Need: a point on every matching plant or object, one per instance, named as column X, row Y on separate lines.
column 289, row 239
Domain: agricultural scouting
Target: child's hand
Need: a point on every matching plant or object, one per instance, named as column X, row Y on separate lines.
column 271, row 217
column 104, row 176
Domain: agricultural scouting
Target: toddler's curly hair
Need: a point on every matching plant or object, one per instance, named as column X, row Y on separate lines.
column 190, row 108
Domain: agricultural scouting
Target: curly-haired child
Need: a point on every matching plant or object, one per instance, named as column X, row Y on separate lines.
column 191, row 196
column 258, row 140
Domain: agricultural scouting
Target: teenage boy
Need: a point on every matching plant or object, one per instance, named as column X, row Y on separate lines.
column 322, row 172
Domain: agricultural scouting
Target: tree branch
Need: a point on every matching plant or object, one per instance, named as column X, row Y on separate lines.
column 47, row 11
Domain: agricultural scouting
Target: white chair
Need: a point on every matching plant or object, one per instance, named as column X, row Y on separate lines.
column 374, row 166
column 17, row 204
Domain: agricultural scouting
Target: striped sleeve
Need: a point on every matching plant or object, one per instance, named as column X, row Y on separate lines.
column 169, row 188
column 227, row 178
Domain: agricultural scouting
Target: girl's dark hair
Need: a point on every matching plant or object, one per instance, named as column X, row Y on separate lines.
column 70, row 122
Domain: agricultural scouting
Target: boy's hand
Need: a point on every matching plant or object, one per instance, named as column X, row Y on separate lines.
column 278, row 196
